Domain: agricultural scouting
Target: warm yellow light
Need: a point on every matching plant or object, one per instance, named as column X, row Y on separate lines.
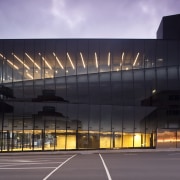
column 82, row 60
column 12, row 64
column 59, row 62
column 70, row 60
column 33, row 61
column 29, row 75
column 122, row 58
column 109, row 58
column 154, row 91
column 45, row 61
column 1, row 55
column 21, row 61
column 136, row 59
column 96, row 60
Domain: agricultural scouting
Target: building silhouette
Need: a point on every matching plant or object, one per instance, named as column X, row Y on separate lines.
column 62, row 94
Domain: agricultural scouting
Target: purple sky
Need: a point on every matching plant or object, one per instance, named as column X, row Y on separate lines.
column 83, row 18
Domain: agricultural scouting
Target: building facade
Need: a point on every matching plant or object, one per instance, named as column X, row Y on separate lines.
column 62, row 94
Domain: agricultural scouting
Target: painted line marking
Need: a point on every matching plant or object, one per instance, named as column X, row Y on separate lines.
column 105, row 167
column 58, row 167
column 174, row 154
column 20, row 164
column 130, row 154
column 30, row 168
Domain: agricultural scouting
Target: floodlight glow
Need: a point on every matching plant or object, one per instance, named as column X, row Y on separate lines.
column 57, row 59
column 33, row 61
column 82, row 60
column 30, row 76
column 46, row 63
column 96, row 60
column 122, row 58
column 109, row 58
column 136, row 59
column 70, row 60
column 12, row 64
column 21, row 61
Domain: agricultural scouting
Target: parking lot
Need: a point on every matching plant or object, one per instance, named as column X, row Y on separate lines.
column 91, row 166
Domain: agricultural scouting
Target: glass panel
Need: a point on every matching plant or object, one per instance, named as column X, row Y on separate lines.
column 161, row 79
column 38, row 139
column 94, row 126
column 117, row 55
column 49, row 141
column 166, row 138
column 138, row 54
column 94, row 89
column 128, row 88
column 83, row 89
column 173, row 53
column 161, row 53
column 105, row 88
column 173, row 78
column 60, row 55
column 149, row 55
column 82, row 56
column 71, row 63
column 71, row 86
column 106, row 127
column 27, row 139
column 82, row 126
column 128, row 140
column 94, row 56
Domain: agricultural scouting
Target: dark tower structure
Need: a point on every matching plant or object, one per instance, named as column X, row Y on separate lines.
column 169, row 27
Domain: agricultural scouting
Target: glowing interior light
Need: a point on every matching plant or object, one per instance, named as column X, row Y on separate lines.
column 70, row 60
column 59, row 62
column 96, row 60
column 12, row 64
column 29, row 75
column 136, row 59
column 33, row 61
column 46, row 63
column 109, row 58
column 1, row 55
column 154, row 91
column 82, row 60
column 122, row 58
column 21, row 61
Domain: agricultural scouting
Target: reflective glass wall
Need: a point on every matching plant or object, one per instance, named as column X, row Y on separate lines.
column 87, row 93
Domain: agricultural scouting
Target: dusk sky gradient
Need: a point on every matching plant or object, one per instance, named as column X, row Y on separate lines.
column 135, row 19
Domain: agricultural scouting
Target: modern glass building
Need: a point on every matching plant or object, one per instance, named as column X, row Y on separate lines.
column 62, row 94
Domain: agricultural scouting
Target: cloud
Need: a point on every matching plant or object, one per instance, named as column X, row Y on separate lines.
column 65, row 13
column 83, row 18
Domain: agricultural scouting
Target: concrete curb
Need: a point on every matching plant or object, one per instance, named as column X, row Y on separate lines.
column 90, row 152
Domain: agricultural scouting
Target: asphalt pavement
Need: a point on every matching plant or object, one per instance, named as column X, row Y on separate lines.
column 92, row 165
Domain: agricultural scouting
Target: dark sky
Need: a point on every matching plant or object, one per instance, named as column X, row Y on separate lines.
column 83, row 18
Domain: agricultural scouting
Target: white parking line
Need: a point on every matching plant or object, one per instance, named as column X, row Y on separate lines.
column 105, row 167
column 2, row 165
column 129, row 154
column 29, row 168
column 58, row 167
column 174, row 154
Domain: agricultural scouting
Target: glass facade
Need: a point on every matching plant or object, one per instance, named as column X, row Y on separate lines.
column 61, row 94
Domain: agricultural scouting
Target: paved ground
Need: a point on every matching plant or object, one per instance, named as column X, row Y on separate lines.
column 91, row 165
